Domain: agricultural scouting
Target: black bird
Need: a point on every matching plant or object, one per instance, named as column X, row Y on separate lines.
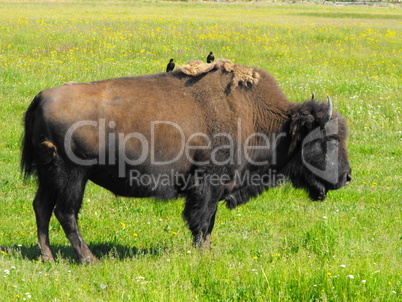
column 210, row 57
column 170, row 66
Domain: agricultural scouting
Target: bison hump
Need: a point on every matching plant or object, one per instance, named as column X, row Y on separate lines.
column 241, row 75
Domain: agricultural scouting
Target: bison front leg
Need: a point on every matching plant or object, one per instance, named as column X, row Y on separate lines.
column 200, row 222
column 206, row 239
column 199, row 212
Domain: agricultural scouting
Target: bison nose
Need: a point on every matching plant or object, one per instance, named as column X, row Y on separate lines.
column 348, row 178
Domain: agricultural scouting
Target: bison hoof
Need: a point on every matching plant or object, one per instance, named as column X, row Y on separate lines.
column 88, row 260
column 202, row 243
column 46, row 258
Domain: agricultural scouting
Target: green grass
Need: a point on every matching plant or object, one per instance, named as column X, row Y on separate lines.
column 278, row 247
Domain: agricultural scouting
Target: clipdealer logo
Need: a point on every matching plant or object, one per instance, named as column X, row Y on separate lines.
column 114, row 147
column 134, row 149
column 330, row 171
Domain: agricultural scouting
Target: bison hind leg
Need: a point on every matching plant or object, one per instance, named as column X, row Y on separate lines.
column 61, row 189
column 67, row 208
column 43, row 205
column 46, row 195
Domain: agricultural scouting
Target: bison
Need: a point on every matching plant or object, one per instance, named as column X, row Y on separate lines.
column 205, row 132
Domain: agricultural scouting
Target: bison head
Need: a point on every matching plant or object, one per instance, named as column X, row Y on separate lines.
column 318, row 155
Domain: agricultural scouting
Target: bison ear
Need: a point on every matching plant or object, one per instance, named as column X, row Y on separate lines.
column 328, row 114
column 299, row 127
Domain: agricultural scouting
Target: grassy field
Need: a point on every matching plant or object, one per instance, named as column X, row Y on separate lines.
column 278, row 247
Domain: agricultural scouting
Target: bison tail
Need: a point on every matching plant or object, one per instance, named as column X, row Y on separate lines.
column 27, row 156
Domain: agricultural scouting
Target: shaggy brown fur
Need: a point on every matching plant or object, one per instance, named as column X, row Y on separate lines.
column 239, row 74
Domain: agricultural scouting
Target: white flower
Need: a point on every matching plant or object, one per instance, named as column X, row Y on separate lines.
column 350, row 276
column 342, row 265
column 324, row 217
column 364, row 281
column 6, row 271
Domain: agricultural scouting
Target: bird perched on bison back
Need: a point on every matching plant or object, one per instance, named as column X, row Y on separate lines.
column 170, row 66
column 210, row 57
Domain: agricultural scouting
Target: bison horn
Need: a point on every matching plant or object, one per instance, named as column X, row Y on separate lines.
column 327, row 116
